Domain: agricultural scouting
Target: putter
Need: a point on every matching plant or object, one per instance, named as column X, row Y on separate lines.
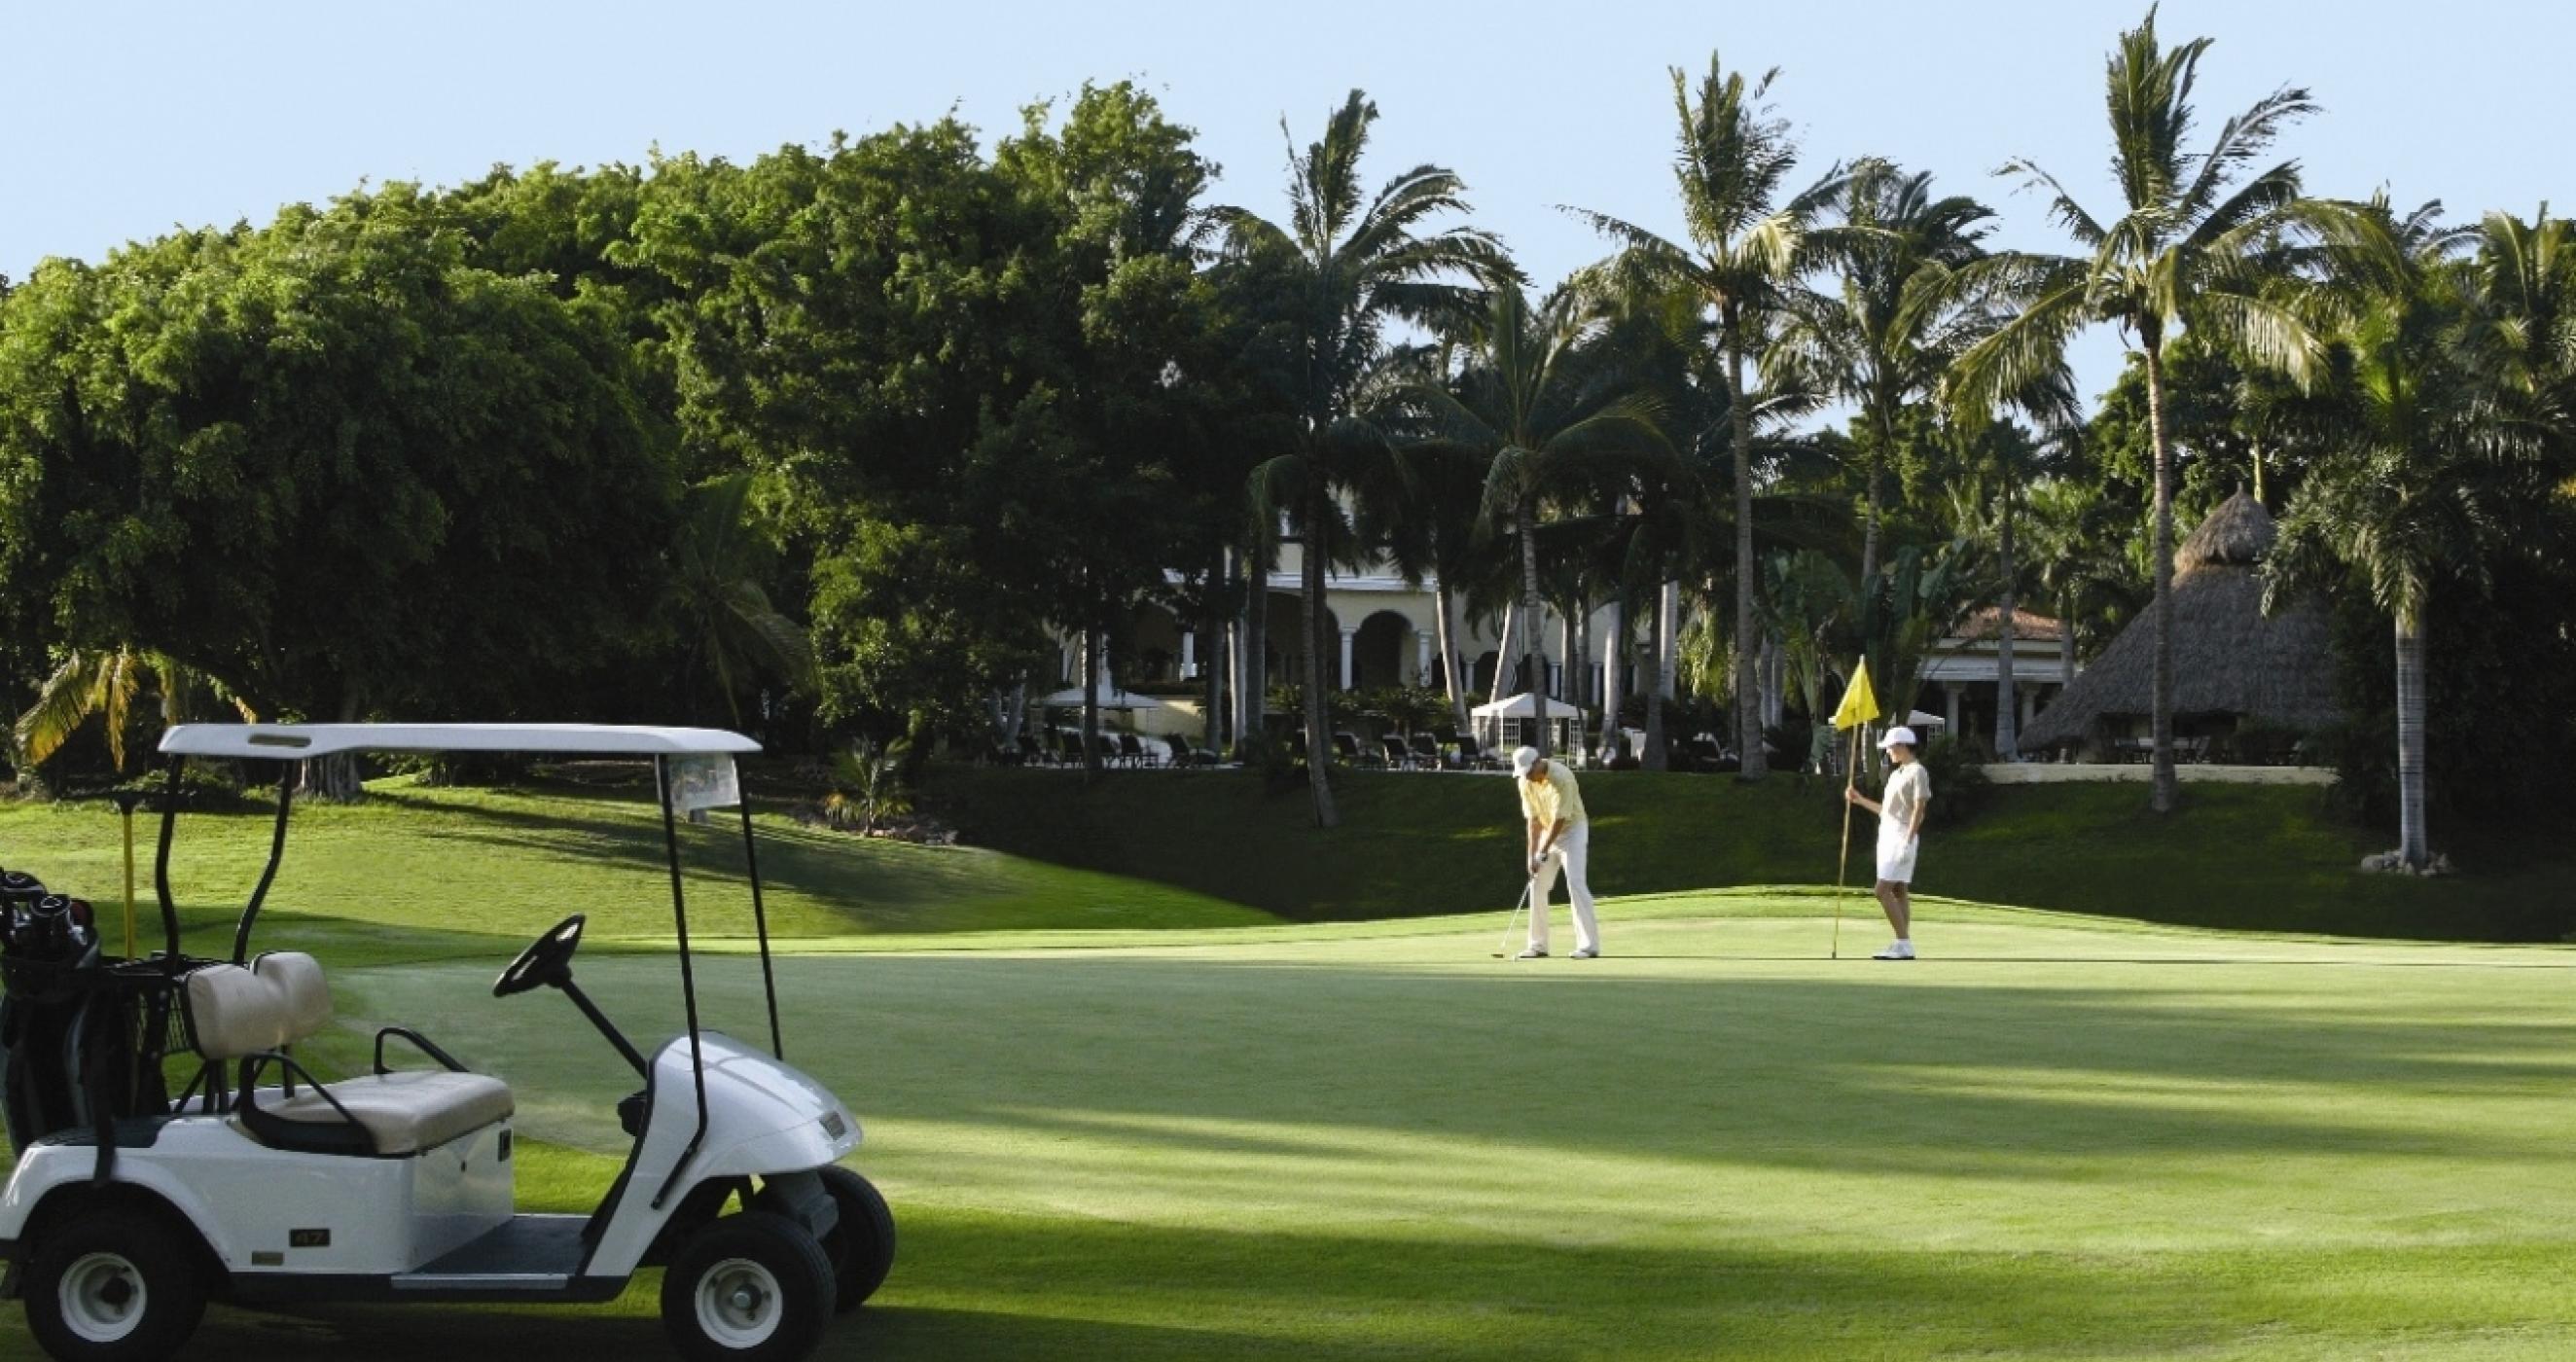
column 1504, row 950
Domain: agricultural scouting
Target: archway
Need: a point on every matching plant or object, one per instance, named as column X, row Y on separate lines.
column 1153, row 651
column 1381, row 651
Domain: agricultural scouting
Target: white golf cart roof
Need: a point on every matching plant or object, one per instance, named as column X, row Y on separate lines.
column 287, row 742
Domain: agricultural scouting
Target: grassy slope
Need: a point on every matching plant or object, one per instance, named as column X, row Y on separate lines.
column 2056, row 1138
column 419, row 873
column 2256, row 857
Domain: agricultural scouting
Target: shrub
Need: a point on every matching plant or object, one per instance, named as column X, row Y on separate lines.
column 1959, row 784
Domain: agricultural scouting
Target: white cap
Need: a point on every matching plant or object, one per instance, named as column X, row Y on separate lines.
column 1523, row 759
column 1899, row 736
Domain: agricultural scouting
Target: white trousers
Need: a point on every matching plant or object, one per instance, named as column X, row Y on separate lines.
column 1571, row 851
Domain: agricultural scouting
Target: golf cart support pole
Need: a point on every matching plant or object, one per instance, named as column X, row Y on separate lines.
column 268, row 875
column 161, row 864
column 688, row 980
column 760, row 924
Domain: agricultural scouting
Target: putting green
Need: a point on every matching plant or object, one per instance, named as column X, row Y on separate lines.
column 2052, row 1138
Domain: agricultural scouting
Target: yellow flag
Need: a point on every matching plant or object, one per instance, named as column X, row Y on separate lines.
column 1860, row 703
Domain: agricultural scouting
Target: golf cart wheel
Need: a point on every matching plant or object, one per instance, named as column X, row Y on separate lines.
column 861, row 1246
column 753, row 1287
column 113, row 1285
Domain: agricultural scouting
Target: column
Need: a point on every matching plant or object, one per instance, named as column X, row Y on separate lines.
column 2029, row 704
column 1349, row 638
column 1950, row 689
column 1421, row 658
column 1189, row 654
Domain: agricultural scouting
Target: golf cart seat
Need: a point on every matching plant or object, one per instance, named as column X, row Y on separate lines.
column 253, row 1014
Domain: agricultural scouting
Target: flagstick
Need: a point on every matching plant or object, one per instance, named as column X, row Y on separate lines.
column 1842, row 872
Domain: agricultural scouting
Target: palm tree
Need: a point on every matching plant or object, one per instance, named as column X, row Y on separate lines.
column 2439, row 453
column 1745, row 254
column 102, row 683
column 1535, row 407
column 2190, row 251
column 2077, row 560
column 717, row 603
column 1999, row 463
column 1358, row 264
column 1909, row 302
column 1422, row 509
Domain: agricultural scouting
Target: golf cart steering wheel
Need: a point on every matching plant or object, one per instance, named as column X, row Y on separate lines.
column 545, row 961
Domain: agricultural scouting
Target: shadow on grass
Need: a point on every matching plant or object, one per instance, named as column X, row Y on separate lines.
column 975, row 1286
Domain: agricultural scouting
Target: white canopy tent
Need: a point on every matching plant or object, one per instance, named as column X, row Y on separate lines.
column 1511, row 720
column 1071, row 698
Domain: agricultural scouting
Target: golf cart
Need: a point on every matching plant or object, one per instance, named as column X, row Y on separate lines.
column 260, row 1184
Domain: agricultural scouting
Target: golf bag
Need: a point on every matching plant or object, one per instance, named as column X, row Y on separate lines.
column 82, row 1036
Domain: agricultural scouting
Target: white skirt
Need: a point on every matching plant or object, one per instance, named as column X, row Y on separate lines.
column 1896, row 858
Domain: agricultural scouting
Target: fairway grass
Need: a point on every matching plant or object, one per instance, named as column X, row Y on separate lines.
column 1120, row 1120
column 2047, row 1140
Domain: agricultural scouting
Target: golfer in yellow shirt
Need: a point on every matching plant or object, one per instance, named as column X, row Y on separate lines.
column 1559, row 835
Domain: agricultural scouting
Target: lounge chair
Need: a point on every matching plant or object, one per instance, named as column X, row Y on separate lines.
column 1426, row 752
column 1131, row 749
column 1347, row 747
column 1030, row 753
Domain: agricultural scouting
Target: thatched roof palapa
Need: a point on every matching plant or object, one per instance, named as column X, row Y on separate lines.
column 2229, row 658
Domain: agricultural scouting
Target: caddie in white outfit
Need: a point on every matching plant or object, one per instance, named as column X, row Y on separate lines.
column 1900, row 809
column 1559, row 835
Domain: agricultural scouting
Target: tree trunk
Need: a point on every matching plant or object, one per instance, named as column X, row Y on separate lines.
column 1739, row 429
column 334, row 779
column 1091, row 644
column 2066, row 640
column 1614, row 669
column 1533, row 659
column 2007, row 739
column 1503, row 655
column 1212, row 650
column 2167, row 790
column 1659, row 644
column 1252, row 697
column 2413, row 847
column 1872, row 480
column 1319, row 738
column 1456, row 685
column 1578, row 655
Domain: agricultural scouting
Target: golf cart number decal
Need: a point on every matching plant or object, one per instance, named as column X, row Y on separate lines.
column 308, row 1239
column 834, row 1126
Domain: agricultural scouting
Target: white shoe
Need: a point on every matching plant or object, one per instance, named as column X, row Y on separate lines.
column 1533, row 953
column 1896, row 950
column 1588, row 953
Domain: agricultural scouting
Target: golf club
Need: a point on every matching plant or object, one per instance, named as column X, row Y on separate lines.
column 1504, row 950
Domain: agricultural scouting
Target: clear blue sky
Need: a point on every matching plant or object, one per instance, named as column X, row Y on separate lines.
column 118, row 120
